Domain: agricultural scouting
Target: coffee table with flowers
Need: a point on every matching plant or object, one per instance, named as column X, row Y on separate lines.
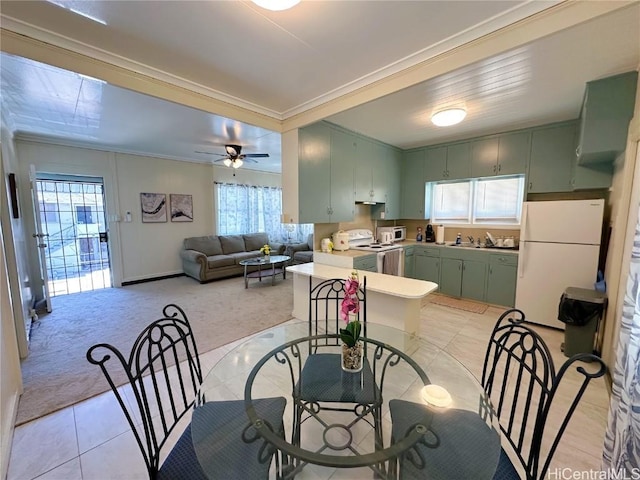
column 276, row 262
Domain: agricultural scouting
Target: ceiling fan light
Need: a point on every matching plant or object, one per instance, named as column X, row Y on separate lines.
column 276, row 5
column 227, row 162
column 237, row 163
column 448, row 117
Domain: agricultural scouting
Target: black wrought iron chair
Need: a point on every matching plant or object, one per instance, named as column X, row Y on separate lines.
column 322, row 384
column 520, row 379
column 164, row 372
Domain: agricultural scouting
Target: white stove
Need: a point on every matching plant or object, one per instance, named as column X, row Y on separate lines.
column 362, row 239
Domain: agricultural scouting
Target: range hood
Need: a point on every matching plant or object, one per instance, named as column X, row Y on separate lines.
column 368, row 202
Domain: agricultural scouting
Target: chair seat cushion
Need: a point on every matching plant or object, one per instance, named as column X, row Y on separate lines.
column 459, row 444
column 182, row 463
column 217, row 430
column 506, row 470
column 323, row 380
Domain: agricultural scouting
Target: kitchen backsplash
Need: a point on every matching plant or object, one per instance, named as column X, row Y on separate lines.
column 362, row 219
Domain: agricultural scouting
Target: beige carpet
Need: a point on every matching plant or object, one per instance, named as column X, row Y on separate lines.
column 57, row 374
column 460, row 304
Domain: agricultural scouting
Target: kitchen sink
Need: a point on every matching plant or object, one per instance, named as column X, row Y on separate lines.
column 464, row 245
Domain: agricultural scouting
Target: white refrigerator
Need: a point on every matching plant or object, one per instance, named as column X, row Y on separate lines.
column 559, row 248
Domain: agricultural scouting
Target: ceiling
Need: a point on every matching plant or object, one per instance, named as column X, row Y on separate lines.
column 380, row 68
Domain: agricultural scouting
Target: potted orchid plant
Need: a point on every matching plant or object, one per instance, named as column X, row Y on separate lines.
column 350, row 335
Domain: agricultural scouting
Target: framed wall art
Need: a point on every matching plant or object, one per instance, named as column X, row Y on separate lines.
column 154, row 207
column 181, row 208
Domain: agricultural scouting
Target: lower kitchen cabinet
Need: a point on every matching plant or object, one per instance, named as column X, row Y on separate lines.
column 451, row 277
column 501, row 280
column 474, row 274
column 427, row 264
column 367, row 263
column 409, row 262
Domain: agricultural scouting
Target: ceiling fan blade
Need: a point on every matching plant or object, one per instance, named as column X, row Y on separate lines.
column 222, row 159
column 256, row 155
column 211, row 153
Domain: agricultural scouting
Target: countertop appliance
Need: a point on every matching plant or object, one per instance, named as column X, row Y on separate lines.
column 399, row 232
column 429, row 235
column 559, row 248
column 385, row 237
column 341, row 240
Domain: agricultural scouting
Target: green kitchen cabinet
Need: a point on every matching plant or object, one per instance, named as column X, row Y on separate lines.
column 435, row 164
column 607, row 108
column 363, row 170
column 342, row 177
column 501, row 280
column 474, row 277
column 451, row 277
column 314, row 173
column 459, row 161
column 484, row 157
column 552, row 158
column 409, row 262
column 413, row 184
column 386, row 182
column 325, row 175
column 448, row 162
column 426, row 267
column 513, row 153
column 592, row 176
column 368, row 263
column 505, row 154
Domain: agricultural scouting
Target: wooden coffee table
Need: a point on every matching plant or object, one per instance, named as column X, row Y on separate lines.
column 276, row 262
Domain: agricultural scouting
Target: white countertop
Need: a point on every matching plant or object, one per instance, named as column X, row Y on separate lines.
column 351, row 253
column 376, row 282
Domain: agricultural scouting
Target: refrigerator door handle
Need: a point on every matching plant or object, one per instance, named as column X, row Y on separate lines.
column 523, row 226
column 521, row 257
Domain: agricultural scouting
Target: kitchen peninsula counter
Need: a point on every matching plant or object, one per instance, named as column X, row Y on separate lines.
column 393, row 301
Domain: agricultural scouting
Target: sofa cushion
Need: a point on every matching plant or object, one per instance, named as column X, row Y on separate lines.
column 218, row 261
column 209, row 245
column 255, row 241
column 232, row 244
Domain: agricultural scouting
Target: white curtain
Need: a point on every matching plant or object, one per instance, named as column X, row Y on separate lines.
column 249, row 209
column 622, row 440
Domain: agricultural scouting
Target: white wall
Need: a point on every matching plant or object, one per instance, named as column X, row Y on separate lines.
column 10, row 375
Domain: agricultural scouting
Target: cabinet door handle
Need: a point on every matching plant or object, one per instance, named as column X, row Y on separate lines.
column 578, row 151
column 490, row 271
column 499, row 167
column 494, row 169
column 530, row 185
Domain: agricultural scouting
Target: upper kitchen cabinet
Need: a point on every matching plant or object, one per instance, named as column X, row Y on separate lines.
column 607, row 109
column 435, row 164
column 552, row 157
column 377, row 177
column 513, row 153
column 500, row 155
column 413, row 175
column 386, row 182
column 325, row 175
column 458, row 160
column 364, row 170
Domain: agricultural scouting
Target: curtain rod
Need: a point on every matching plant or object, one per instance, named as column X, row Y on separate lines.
column 244, row 185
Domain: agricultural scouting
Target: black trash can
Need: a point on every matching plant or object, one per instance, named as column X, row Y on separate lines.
column 581, row 310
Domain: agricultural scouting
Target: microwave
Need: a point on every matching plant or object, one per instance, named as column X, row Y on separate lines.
column 397, row 233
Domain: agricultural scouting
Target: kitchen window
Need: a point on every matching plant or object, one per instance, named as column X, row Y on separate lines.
column 480, row 201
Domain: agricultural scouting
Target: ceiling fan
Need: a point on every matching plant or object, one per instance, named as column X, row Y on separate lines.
column 234, row 156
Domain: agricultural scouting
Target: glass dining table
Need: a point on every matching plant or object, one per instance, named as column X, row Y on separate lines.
column 431, row 418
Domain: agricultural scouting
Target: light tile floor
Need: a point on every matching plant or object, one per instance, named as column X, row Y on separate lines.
column 92, row 441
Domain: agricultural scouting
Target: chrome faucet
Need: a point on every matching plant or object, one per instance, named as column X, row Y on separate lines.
column 470, row 237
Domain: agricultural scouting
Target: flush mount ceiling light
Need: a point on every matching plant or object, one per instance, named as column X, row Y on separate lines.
column 276, row 5
column 446, row 118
